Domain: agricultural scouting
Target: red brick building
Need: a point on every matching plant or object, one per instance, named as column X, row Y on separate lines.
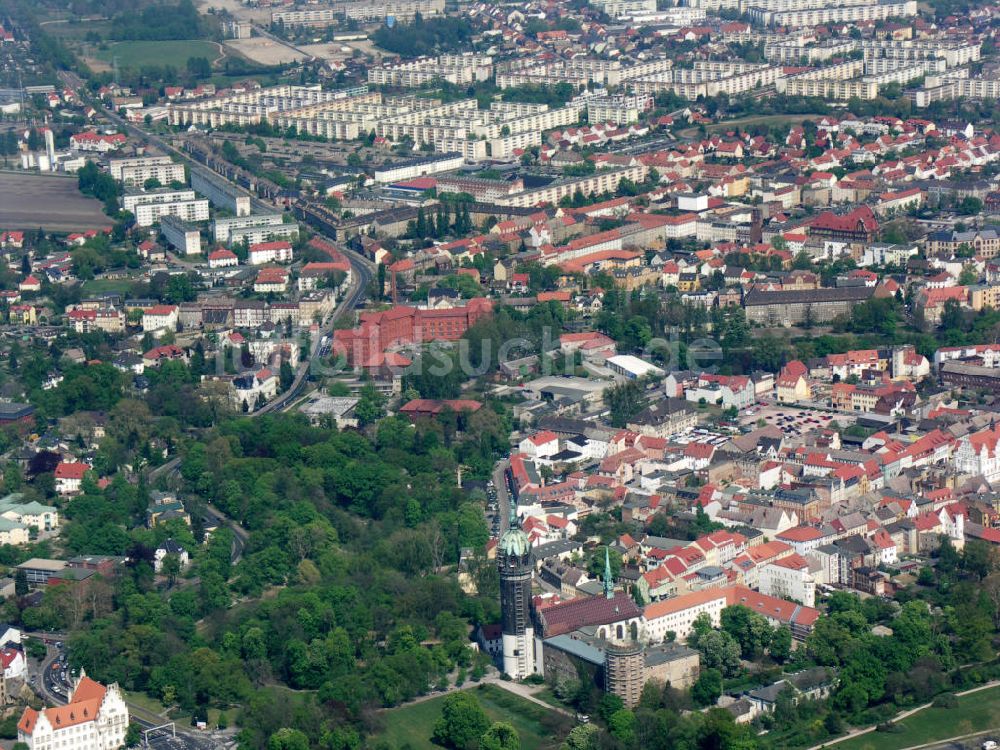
column 407, row 325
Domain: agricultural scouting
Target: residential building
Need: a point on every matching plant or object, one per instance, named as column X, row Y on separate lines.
column 789, row 578
column 183, row 237
column 69, row 477
column 136, row 171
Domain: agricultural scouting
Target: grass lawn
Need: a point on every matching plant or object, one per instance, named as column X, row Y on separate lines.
column 99, row 286
column 412, row 726
column 976, row 712
column 144, row 701
column 173, row 53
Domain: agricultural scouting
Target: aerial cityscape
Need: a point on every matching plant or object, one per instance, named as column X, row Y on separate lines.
column 499, row 375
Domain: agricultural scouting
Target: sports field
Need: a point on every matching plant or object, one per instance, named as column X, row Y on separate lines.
column 138, row 54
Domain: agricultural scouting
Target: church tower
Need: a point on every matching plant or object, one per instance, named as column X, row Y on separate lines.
column 514, row 562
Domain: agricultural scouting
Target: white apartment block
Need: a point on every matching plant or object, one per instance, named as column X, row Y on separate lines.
column 131, row 200
column 220, row 191
column 605, row 181
column 95, row 718
column 954, row 84
column 183, row 237
column 840, row 13
column 578, row 71
column 222, row 227
column 149, row 208
column 454, row 126
column 954, row 54
column 419, row 167
column 621, row 110
column 624, row 8
column 294, row 105
column 136, row 171
column 682, row 16
column 846, row 80
column 401, row 10
column 254, row 235
column 711, row 78
column 457, row 69
column 147, row 214
column 791, row 52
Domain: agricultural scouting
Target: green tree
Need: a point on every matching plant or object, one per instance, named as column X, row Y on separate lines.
column 21, row 583
column 582, row 737
column 621, row 725
column 462, row 723
column 624, row 401
column 708, row 688
column 751, row 630
column 500, row 736
column 781, row 644
column 288, row 739
column 970, row 206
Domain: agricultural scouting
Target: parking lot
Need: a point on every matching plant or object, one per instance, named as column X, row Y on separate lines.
column 792, row 420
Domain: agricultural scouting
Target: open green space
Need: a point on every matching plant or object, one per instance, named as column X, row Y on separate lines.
column 976, row 712
column 100, row 286
column 412, row 726
column 138, row 54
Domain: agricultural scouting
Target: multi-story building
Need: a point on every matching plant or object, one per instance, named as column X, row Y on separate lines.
column 379, row 331
column 794, row 307
column 149, row 213
column 953, row 53
column 984, row 242
column 484, row 191
column 784, row 51
column 220, row 192
column 95, row 718
column 789, row 578
column 620, row 110
column 138, row 170
column 418, row 167
column 827, row 14
column 401, row 10
column 270, row 252
column 223, row 226
column 710, row 78
column 852, row 79
column 182, row 236
column 604, row 181
column 106, row 319
column 978, row 454
column 268, row 233
column 984, row 295
column 624, row 8
column 457, row 69
column 160, row 318
column 131, row 199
